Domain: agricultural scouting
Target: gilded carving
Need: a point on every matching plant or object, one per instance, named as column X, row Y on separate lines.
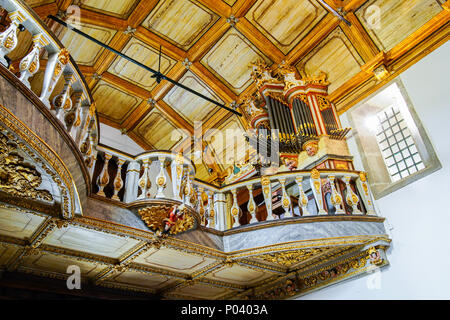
column 289, row 258
column 164, row 219
column 17, row 177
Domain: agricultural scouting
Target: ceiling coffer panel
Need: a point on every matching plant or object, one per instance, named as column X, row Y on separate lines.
column 181, row 22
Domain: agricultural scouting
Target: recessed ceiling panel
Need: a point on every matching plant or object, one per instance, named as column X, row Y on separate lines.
column 82, row 239
column 390, row 21
column 192, row 107
column 230, row 60
column 114, row 103
column 202, row 291
column 121, row 9
column 285, row 22
column 182, row 21
column 19, row 224
column 335, row 56
column 141, row 279
column 6, row 253
column 239, row 275
column 84, row 51
column 144, row 54
column 158, row 131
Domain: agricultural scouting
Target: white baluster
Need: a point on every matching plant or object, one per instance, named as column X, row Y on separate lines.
column 285, row 199
column 55, row 66
column 364, row 189
column 336, row 199
column 221, row 211
column 132, row 181
column 161, row 178
column 302, row 197
column 78, row 98
column 316, row 186
column 201, row 207
column 103, row 177
column 62, row 102
column 235, row 209
column 177, row 173
column 251, row 206
column 29, row 65
column 267, row 192
column 144, row 182
column 118, row 182
column 8, row 38
column 211, row 210
column 351, row 197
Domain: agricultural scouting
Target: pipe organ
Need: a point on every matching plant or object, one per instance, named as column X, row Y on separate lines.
column 300, row 117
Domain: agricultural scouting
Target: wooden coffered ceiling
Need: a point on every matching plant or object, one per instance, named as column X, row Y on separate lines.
column 208, row 45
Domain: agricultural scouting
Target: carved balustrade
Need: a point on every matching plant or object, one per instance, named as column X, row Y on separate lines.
column 73, row 106
column 287, row 195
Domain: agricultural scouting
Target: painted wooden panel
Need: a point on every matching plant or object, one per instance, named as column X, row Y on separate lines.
column 229, row 2
column 114, row 103
column 285, row 22
column 239, row 275
column 37, row 3
column 158, row 131
column 84, row 51
column 6, row 253
column 174, row 260
column 19, row 224
column 390, row 21
column 180, row 21
column 86, row 240
column 336, row 56
column 121, row 9
column 228, row 142
column 190, row 106
column 142, row 279
column 202, row 291
column 59, row 264
column 230, row 58
column 144, row 54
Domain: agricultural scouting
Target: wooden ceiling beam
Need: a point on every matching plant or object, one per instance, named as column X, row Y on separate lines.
column 125, row 85
column 317, row 34
column 174, row 116
column 137, row 115
column 217, row 6
column 63, row 5
column 140, row 142
column 359, row 38
column 141, row 12
column 353, row 5
column 217, row 86
column 107, row 57
column 259, row 40
column 175, row 73
column 155, row 41
column 241, row 7
column 102, row 20
column 202, row 46
column 46, row 9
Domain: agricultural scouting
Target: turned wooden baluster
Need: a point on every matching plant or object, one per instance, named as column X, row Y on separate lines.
column 285, row 199
column 235, row 209
column 351, row 197
column 161, row 178
column 75, row 125
column 62, row 102
column 144, row 182
column 177, row 172
column 29, row 65
column 132, row 181
column 118, row 182
column 302, row 197
column 336, row 199
column 364, row 190
column 188, row 192
column 316, row 186
column 8, row 38
column 267, row 192
column 251, row 205
column 55, row 66
column 201, row 207
column 103, row 177
column 211, row 211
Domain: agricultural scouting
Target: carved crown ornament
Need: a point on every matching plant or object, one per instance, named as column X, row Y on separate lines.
column 168, row 219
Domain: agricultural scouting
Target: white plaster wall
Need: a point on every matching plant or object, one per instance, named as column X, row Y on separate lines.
column 419, row 214
column 113, row 138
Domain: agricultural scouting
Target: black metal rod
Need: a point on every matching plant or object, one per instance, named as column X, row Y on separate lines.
column 335, row 12
column 157, row 74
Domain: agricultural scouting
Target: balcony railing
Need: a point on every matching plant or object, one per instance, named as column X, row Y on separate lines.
column 73, row 105
column 285, row 195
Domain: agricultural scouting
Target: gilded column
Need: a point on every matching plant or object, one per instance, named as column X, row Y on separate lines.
column 351, row 197
column 8, row 38
column 267, row 192
column 161, row 178
column 235, row 209
column 55, row 66
column 285, row 199
column 29, row 65
column 316, row 186
column 118, row 182
column 103, row 177
column 251, row 206
column 302, row 197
